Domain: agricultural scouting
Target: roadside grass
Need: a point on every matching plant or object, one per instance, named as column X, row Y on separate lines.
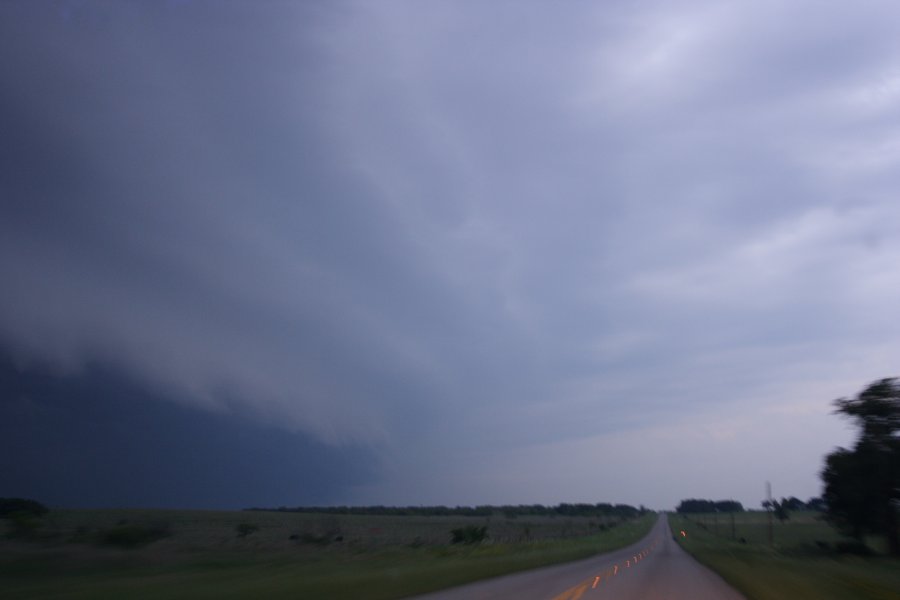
column 378, row 557
column 802, row 563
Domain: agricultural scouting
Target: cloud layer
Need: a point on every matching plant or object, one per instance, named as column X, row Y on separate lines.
column 479, row 239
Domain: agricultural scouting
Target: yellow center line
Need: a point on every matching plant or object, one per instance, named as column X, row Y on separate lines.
column 573, row 593
column 579, row 591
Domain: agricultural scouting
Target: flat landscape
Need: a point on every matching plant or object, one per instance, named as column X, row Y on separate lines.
column 806, row 559
column 242, row 554
column 654, row 567
column 281, row 554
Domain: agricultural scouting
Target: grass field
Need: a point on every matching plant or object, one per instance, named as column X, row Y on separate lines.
column 290, row 555
column 801, row 563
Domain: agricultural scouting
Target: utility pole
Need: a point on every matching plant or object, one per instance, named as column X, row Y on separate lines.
column 733, row 537
column 769, row 508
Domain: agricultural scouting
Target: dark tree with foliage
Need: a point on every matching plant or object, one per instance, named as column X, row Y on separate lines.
column 815, row 503
column 794, row 504
column 729, row 506
column 862, row 485
column 781, row 509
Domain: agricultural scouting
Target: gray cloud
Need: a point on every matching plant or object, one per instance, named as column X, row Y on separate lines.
column 475, row 237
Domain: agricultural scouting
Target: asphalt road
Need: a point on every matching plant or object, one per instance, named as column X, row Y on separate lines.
column 655, row 568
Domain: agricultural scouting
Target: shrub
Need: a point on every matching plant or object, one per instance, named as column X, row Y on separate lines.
column 311, row 538
column 133, row 536
column 23, row 525
column 245, row 529
column 470, row 534
column 326, row 530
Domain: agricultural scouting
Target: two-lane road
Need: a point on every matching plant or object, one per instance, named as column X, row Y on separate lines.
column 655, row 568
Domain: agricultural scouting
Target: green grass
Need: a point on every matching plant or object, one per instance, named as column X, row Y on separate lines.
column 801, row 563
column 378, row 557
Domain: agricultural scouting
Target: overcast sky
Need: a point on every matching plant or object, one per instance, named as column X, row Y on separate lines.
column 484, row 252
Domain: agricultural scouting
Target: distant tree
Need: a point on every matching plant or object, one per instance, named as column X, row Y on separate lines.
column 24, row 516
column 862, row 485
column 782, row 509
column 729, row 506
column 693, row 505
column 817, row 504
column 793, row 503
column 10, row 507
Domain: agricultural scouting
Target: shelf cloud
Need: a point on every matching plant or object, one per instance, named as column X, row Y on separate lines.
column 467, row 237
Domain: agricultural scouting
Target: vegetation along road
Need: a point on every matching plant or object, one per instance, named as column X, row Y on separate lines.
column 654, row 567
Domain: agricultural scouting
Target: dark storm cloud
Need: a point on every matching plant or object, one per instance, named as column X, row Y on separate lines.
column 475, row 236
column 171, row 211
column 98, row 439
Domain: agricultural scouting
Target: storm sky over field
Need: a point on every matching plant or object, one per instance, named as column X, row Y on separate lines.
column 276, row 253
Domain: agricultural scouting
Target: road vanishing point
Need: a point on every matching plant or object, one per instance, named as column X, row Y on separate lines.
column 655, row 568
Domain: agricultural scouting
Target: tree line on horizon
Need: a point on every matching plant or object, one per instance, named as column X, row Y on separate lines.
column 793, row 504
column 601, row 509
column 694, row 505
column 861, row 484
